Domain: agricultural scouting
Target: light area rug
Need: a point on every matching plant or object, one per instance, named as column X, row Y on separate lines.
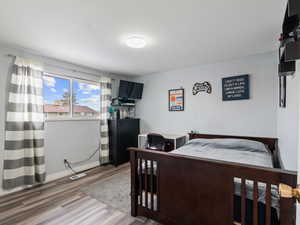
column 113, row 191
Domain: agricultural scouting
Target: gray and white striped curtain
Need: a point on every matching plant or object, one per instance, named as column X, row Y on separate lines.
column 24, row 160
column 105, row 87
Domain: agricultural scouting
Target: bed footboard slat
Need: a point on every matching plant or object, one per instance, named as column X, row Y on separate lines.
column 157, row 186
column 231, row 203
column 140, row 182
column 255, row 208
column 152, row 189
column 134, row 182
column 146, row 183
column 268, row 204
column 243, row 202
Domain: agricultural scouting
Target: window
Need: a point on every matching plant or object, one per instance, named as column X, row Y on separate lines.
column 86, row 99
column 56, row 97
column 66, row 98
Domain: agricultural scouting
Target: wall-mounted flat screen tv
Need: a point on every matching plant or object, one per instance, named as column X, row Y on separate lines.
column 130, row 90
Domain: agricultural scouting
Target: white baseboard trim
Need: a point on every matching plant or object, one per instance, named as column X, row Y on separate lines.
column 6, row 192
column 55, row 176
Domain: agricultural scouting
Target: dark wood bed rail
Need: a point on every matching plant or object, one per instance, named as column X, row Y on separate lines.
column 186, row 190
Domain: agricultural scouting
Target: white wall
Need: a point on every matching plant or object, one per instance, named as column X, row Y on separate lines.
column 73, row 140
column 208, row 113
column 259, row 116
column 288, row 125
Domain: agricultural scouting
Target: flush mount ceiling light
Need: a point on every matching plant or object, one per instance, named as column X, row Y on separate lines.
column 136, row 42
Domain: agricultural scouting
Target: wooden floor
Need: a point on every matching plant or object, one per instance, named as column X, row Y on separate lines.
column 62, row 202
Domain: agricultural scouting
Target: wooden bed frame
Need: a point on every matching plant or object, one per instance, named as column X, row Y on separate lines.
column 197, row 191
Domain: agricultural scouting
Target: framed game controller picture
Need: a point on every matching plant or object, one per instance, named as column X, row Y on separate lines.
column 176, row 100
column 202, row 87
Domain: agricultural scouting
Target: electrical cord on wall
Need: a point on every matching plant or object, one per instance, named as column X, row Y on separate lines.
column 69, row 164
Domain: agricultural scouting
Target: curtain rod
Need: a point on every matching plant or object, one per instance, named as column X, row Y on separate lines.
column 64, row 68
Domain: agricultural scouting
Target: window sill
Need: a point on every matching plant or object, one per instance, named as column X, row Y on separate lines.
column 71, row 119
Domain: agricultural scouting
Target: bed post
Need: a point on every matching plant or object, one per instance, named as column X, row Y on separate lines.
column 288, row 205
column 134, row 197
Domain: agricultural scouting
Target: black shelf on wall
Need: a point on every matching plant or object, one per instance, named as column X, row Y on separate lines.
column 289, row 49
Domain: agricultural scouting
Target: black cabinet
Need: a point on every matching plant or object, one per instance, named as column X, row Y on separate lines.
column 123, row 133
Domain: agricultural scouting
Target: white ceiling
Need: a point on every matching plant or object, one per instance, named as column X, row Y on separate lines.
column 180, row 32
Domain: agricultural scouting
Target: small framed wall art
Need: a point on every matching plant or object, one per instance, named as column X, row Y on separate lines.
column 176, row 100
